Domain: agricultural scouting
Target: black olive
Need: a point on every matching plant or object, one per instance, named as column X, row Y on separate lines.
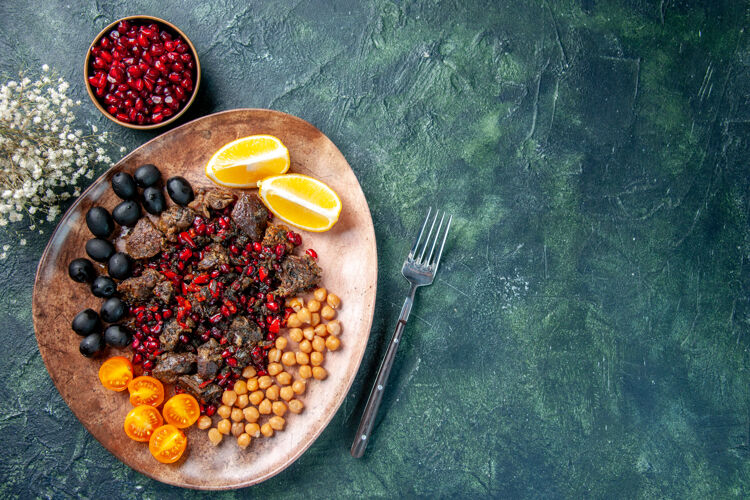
column 103, row 287
column 91, row 345
column 99, row 222
column 179, row 190
column 147, row 175
column 124, row 186
column 153, row 200
column 99, row 249
column 120, row 266
column 81, row 270
column 117, row 336
column 112, row 310
column 127, row 213
column 86, row 322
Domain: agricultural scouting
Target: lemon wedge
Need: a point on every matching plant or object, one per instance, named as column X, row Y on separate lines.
column 242, row 163
column 301, row 201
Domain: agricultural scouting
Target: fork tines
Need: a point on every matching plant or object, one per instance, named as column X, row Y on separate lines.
column 419, row 249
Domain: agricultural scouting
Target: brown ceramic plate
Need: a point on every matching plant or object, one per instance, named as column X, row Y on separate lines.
column 347, row 255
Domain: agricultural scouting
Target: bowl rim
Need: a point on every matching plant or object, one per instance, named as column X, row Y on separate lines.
column 99, row 105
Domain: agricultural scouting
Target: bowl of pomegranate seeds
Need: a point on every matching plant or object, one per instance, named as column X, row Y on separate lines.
column 142, row 72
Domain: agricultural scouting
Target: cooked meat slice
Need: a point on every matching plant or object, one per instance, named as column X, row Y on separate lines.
column 172, row 364
column 275, row 235
column 144, row 240
column 170, row 335
column 244, row 333
column 174, row 220
column 250, row 216
column 211, row 393
column 209, row 359
column 164, row 291
column 139, row 288
column 297, row 275
column 218, row 199
column 216, row 256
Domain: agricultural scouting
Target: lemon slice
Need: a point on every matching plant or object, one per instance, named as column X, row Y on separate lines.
column 244, row 162
column 301, row 201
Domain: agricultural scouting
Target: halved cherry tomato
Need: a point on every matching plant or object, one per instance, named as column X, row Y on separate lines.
column 181, row 410
column 141, row 422
column 167, row 444
column 116, row 373
column 145, row 390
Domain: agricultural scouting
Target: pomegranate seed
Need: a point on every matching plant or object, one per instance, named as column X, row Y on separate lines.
column 280, row 250
column 215, row 318
column 312, row 253
column 137, row 359
column 186, row 253
column 210, row 410
column 272, row 306
column 148, row 365
column 232, row 362
column 262, row 273
column 257, row 247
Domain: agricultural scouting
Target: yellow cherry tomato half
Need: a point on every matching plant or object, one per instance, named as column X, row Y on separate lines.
column 145, row 390
column 141, row 422
column 116, row 373
column 167, row 444
column 181, row 410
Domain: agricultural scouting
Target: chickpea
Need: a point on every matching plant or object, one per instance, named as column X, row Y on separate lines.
column 334, row 327
column 242, row 401
column 333, row 343
column 240, row 387
column 248, row 372
column 237, row 415
column 316, row 358
column 266, row 430
column 277, row 423
column 288, row 358
column 229, row 397
column 251, row 414
column 214, row 436
column 299, row 386
column 278, row 408
column 204, row 422
column 253, row 429
column 224, row 426
column 252, row 384
column 295, row 303
column 264, row 408
column 293, row 321
column 224, row 411
column 305, row 371
column 303, row 315
column 286, row 393
column 295, row 334
column 272, row 393
column 274, row 355
column 327, row 312
column 281, row 343
column 274, row 369
column 318, row 344
column 319, row 373
column 237, row 429
column 333, row 300
column 265, row 382
column 284, row 378
column 296, row 406
column 320, row 330
column 256, row 397
column 313, row 306
column 309, row 333
column 302, row 358
column 315, row 319
column 243, row 440
column 320, row 294
column 305, row 346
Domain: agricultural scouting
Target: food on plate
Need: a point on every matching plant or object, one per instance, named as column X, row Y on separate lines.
column 120, row 266
column 167, row 444
column 127, row 213
column 99, row 249
column 116, row 373
column 99, row 222
column 81, row 270
column 301, row 201
column 153, row 200
column 145, row 390
column 147, row 175
column 180, row 190
column 124, row 186
column 117, row 336
column 103, row 287
column 242, row 163
column 181, row 410
column 86, row 322
column 141, row 422
column 91, row 344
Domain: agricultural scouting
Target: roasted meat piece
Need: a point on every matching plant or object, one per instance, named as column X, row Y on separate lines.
column 276, row 235
column 144, row 240
column 211, row 393
column 217, row 199
column 216, row 256
column 171, row 365
column 297, row 275
column 164, row 291
column 209, row 359
column 174, row 220
column 250, row 216
column 244, row 333
column 140, row 288
column 170, row 335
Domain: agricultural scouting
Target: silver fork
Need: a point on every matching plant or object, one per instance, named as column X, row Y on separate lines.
column 419, row 272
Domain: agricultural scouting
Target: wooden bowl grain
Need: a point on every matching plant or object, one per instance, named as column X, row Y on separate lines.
column 347, row 254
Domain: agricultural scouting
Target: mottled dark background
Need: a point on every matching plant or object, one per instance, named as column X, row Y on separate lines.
column 588, row 333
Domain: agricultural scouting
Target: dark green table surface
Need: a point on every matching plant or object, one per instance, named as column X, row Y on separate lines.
column 587, row 335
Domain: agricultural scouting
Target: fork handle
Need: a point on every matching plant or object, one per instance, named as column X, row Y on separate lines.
column 362, row 437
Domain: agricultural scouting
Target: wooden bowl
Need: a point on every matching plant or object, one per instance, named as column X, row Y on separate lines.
column 346, row 253
column 152, row 126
